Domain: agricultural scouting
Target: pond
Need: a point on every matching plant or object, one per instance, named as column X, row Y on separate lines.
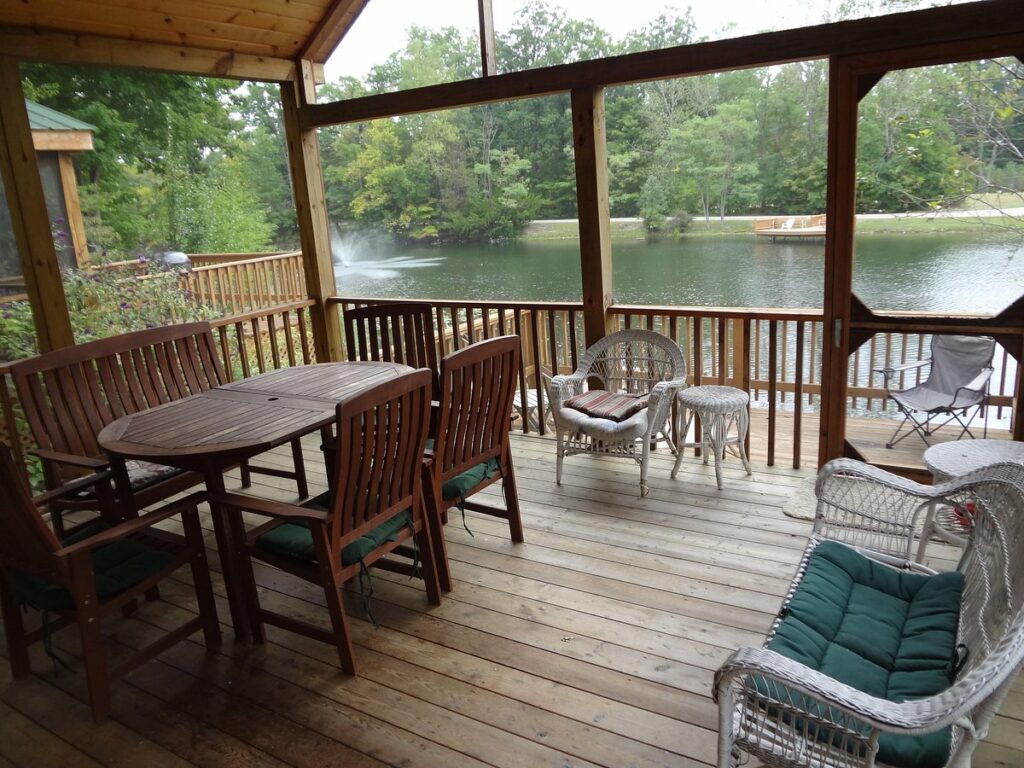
column 934, row 273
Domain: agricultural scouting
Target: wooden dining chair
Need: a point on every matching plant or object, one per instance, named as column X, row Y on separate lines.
column 470, row 449
column 90, row 575
column 394, row 333
column 375, row 509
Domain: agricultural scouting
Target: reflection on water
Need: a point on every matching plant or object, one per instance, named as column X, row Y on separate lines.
column 936, row 273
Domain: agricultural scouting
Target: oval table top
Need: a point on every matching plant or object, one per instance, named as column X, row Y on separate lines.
column 245, row 417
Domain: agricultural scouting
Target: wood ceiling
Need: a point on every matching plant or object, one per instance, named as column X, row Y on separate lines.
column 235, row 33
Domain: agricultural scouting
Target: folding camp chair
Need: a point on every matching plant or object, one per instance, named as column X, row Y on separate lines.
column 956, row 387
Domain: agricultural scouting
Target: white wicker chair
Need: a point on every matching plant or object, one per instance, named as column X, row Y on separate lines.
column 764, row 698
column 630, row 362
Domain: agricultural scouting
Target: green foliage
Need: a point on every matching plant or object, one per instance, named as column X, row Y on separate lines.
column 104, row 303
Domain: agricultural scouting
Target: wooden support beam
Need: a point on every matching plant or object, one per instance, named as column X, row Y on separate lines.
column 20, row 172
column 113, row 52
column 76, row 224
column 311, row 210
column 995, row 19
column 591, row 153
column 62, row 141
column 840, row 205
column 488, row 54
column 332, row 28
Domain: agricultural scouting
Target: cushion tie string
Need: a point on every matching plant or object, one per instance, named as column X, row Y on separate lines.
column 366, row 591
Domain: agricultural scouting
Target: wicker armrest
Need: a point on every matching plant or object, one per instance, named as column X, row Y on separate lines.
column 563, row 387
column 660, row 402
column 865, row 506
column 914, row 716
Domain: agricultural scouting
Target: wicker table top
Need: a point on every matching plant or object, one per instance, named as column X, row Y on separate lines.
column 948, row 460
column 714, row 398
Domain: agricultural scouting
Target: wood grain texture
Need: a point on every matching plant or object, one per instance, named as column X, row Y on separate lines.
column 590, row 644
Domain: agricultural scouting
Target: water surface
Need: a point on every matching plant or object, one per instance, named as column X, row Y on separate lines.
column 934, row 273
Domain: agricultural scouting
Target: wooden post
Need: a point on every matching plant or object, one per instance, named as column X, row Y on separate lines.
column 311, row 209
column 76, row 224
column 488, row 56
column 840, row 208
column 591, row 154
column 20, row 171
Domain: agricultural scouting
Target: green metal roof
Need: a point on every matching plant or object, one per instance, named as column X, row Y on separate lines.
column 42, row 118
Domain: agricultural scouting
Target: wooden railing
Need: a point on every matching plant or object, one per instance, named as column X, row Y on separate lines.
column 237, row 285
column 251, row 343
column 775, row 354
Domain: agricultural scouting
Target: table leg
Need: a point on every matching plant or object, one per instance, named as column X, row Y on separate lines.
column 227, row 527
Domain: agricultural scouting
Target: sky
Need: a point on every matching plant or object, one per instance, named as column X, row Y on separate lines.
column 380, row 28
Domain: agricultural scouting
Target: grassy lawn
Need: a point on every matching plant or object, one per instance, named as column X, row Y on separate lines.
column 632, row 230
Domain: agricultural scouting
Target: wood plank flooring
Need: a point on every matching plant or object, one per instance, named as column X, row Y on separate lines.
column 594, row 643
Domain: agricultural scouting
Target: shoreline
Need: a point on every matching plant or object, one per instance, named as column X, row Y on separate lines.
column 941, row 222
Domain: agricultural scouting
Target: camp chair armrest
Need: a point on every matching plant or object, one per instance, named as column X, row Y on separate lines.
column 74, row 460
column 127, row 528
column 72, row 487
column 978, row 383
column 268, row 508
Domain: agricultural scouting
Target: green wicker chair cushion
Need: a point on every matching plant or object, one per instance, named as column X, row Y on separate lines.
column 295, row 540
column 608, row 405
column 117, row 566
column 891, row 634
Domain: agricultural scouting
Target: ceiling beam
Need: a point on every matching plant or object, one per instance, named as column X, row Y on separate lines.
column 998, row 19
column 112, row 52
column 332, row 28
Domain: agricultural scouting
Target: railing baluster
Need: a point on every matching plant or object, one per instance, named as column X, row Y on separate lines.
column 517, row 324
column 534, row 328
column 798, row 390
column 772, row 367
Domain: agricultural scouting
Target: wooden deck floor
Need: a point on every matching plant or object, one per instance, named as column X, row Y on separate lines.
column 593, row 643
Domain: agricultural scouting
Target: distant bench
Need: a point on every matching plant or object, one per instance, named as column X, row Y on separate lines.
column 791, row 226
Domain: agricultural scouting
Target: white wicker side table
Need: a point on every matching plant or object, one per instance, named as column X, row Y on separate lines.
column 949, row 460
column 721, row 410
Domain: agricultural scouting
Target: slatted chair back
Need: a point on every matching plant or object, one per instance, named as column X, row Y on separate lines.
column 381, row 438
column 477, row 388
column 398, row 333
column 70, row 395
column 26, row 543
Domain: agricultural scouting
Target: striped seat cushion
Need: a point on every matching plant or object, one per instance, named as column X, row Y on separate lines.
column 608, row 405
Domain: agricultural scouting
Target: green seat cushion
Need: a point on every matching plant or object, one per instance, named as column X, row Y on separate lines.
column 295, row 540
column 118, row 566
column 460, row 485
column 891, row 634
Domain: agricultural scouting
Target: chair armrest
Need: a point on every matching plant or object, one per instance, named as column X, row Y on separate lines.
column 73, row 487
column 915, row 716
column 74, row 460
column 891, row 370
column 267, row 507
column 563, row 387
column 659, row 404
column 135, row 525
column 979, row 383
column 865, row 506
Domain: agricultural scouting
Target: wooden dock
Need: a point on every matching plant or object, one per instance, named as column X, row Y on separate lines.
column 594, row 643
column 790, row 226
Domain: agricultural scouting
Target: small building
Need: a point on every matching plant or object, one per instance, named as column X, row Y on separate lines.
column 56, row 138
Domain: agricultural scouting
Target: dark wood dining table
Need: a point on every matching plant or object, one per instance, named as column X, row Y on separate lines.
column 214, row 430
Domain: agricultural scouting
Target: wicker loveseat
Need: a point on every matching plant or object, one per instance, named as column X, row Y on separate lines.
column 874, row 659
